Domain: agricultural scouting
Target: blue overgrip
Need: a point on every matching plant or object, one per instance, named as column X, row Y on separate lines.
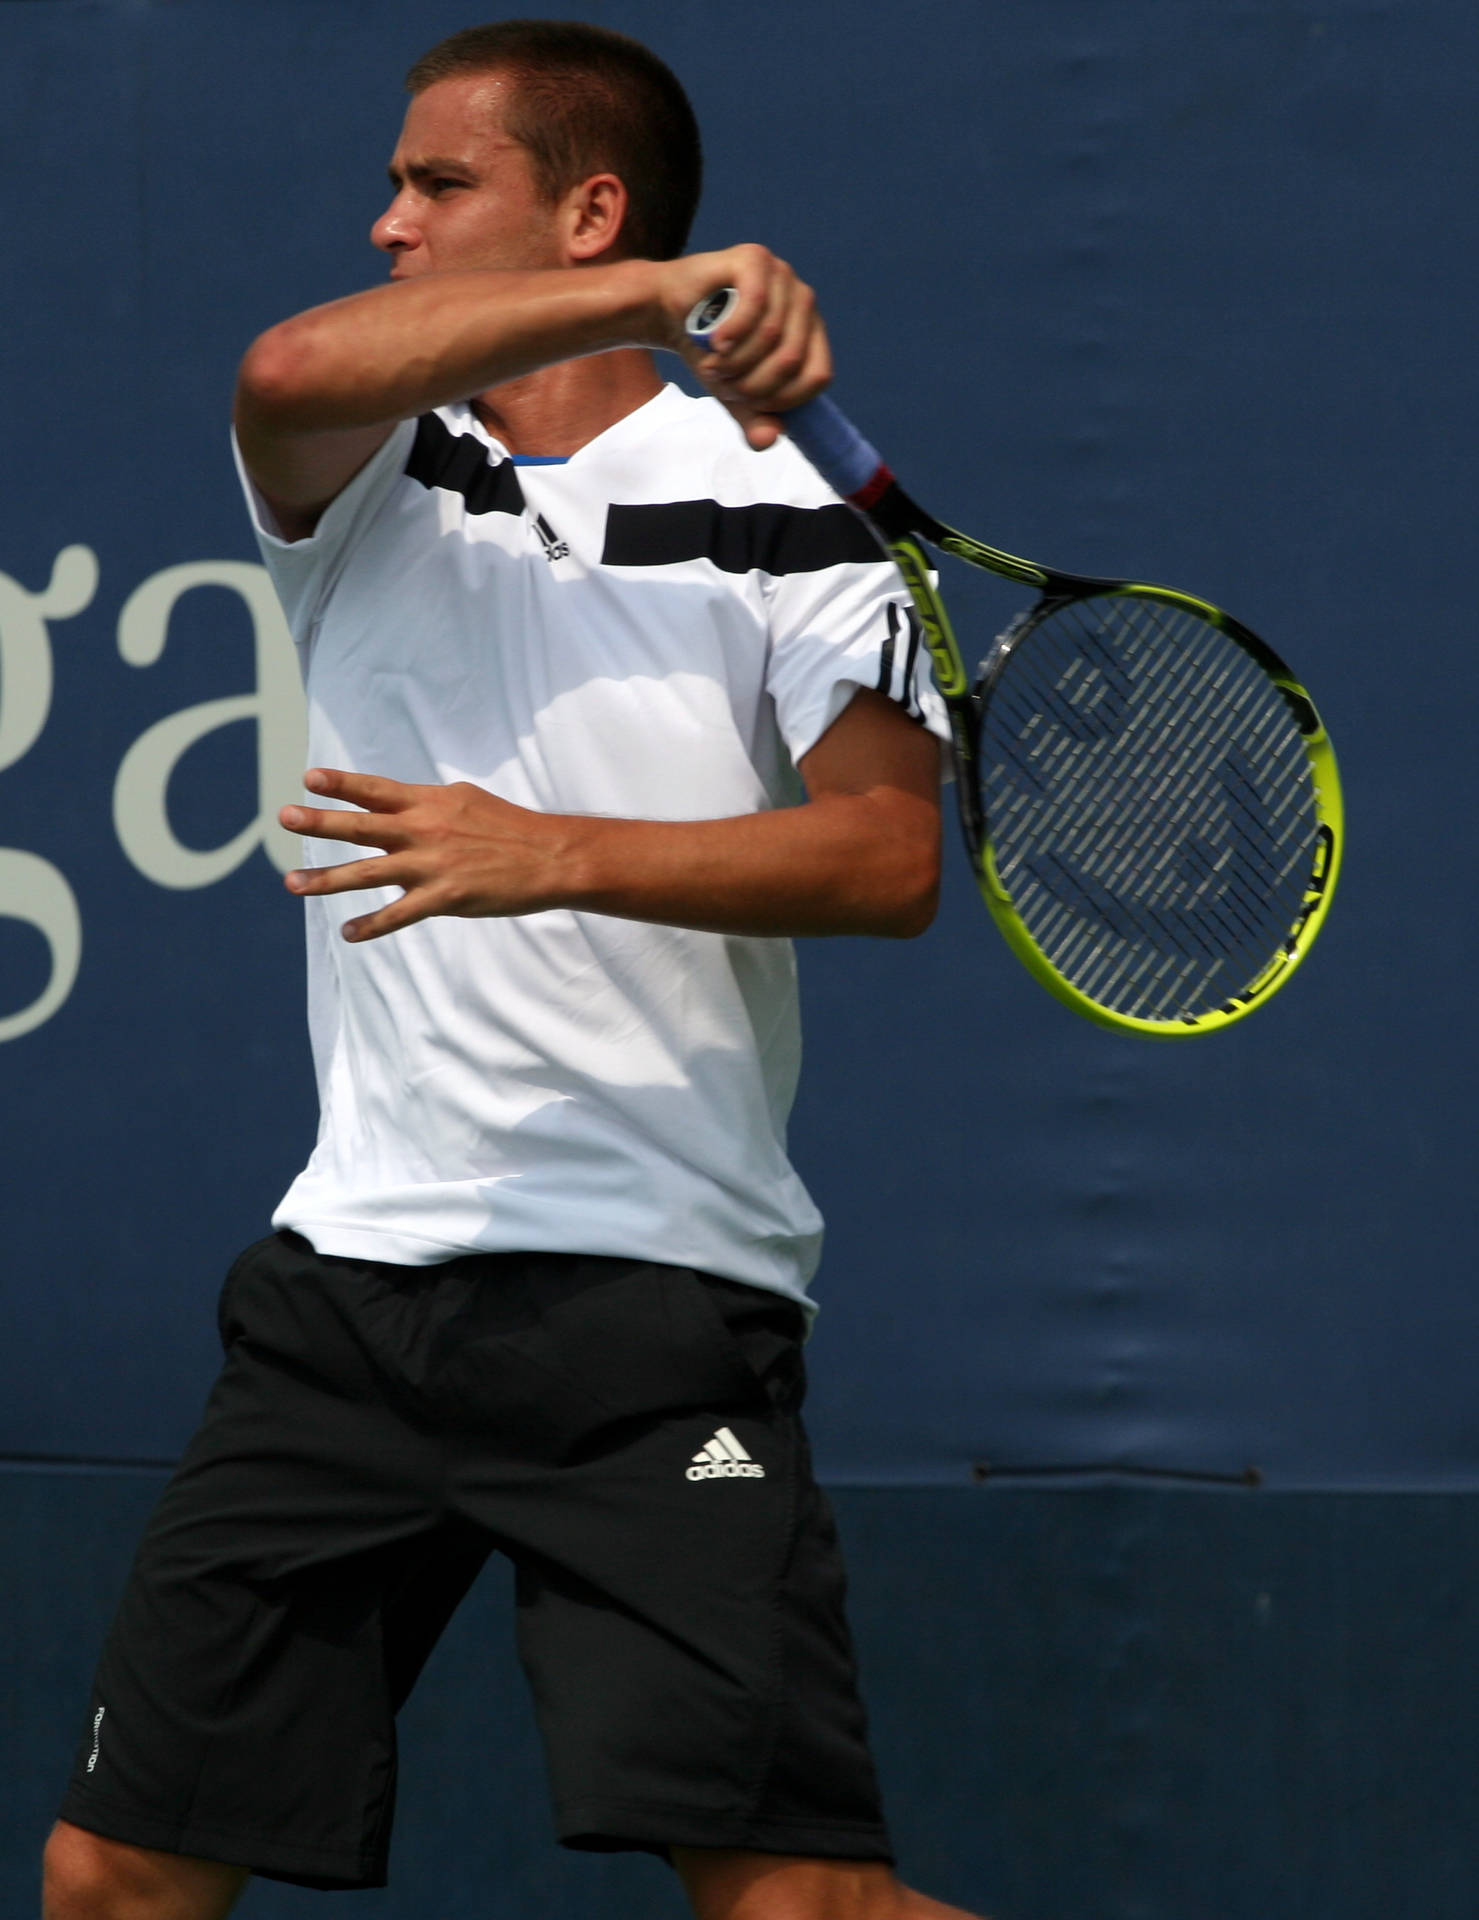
column 833, row 445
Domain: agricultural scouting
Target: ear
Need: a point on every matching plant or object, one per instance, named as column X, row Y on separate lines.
column 594, row 214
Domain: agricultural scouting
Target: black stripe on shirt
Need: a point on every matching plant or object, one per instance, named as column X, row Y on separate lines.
column 900, row 619
column 460, row 464
column 769, row 538
column 885, row 682
column 907, row 698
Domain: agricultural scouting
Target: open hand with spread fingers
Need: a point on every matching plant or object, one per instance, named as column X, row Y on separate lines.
column 454, row 850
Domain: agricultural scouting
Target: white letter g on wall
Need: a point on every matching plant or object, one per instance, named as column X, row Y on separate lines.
column 140, row 803
column 32, row 890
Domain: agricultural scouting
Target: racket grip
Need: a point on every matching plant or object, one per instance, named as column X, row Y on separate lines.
column 823, row 432
column 845, row 460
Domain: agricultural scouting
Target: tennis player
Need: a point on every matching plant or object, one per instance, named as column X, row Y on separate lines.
column 610, row 697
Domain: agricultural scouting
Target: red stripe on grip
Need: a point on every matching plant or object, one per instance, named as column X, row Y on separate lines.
column 876, row 488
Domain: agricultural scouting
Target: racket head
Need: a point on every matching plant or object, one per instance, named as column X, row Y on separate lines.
column 1161, row 816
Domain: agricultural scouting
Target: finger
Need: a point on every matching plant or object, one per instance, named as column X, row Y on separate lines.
column 814, row 374
column 404, row 912
column 352, row 876
column 763, row 424
column 370, row 790
column 762, row 430
column 795, row 368
column 335, row 823
column 754, row 331
column 748, row 270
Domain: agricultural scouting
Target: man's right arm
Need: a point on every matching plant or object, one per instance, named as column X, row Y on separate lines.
column 318, row 394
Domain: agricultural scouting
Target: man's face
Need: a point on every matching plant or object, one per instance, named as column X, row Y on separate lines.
column 464, row 191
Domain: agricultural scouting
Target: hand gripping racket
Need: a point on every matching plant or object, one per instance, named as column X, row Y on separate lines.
column 1149, row 800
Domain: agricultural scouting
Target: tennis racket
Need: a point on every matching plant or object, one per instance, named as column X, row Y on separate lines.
column 1148, row 798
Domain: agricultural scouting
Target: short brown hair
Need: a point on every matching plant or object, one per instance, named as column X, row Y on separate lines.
column 587, row 100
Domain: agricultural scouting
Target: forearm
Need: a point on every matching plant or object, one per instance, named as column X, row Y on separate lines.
column 864, row 860
column 401, row 349
column 318, row 394
column 842, row 864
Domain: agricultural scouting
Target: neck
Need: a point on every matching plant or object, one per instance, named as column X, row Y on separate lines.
column 559, row 409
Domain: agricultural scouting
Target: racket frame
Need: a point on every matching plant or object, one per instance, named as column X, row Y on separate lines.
column 901, row 525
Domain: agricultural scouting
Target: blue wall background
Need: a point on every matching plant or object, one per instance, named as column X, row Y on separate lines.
column 1180, row 290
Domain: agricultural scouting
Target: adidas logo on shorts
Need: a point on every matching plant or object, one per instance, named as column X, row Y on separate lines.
column 724, row 1458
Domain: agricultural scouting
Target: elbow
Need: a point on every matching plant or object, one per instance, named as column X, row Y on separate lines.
column 913, row 897
column 912, row 915
column 274, row 378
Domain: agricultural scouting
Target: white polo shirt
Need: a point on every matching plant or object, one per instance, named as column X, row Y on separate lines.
column 658, row 628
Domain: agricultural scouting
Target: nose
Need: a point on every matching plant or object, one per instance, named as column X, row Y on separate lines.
column 396, row 230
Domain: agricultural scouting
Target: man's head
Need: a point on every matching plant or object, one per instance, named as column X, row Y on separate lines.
column 560, row 104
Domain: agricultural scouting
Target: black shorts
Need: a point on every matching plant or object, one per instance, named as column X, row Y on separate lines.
column 628, row 1434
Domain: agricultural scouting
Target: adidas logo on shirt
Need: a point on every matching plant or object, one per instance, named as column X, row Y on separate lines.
column 724, row 1458
column 554, row 547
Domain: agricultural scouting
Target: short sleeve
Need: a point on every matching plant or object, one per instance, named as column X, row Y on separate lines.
column 304, row 571
column 839, row 629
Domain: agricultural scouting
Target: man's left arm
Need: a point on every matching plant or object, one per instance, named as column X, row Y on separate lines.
column 860, row 855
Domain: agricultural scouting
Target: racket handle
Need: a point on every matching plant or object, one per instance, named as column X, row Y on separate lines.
column 846, row 461
column 830, row 441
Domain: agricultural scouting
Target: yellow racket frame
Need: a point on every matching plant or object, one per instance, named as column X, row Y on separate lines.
column 962, row 701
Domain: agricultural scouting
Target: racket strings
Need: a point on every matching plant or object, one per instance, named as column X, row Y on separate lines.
column 1085, row 866
column 1149, row 804
column 1092, row 881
